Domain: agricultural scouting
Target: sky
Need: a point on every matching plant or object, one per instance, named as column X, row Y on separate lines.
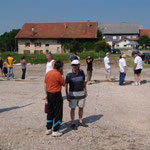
column 14, row 13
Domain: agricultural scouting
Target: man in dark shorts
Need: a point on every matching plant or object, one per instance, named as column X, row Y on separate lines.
column 137, row 67
column 53, row 82
column 76, row 92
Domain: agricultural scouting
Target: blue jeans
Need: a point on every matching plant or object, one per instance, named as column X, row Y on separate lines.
column 10, row 70
column 122, row 77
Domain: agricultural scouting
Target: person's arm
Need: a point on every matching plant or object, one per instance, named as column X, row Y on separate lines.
column 67, row 94
column 134, row 66
column 45, row 92
column 85, row 89
column 53, row 64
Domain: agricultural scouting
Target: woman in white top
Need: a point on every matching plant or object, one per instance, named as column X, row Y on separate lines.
column 137, row 67
column 50, row 62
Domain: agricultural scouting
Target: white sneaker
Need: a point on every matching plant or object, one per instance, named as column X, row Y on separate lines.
column 139, row 83
column 48, row 131
column 135, row 83
column 56, row 134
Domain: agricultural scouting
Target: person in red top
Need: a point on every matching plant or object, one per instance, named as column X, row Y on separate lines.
column 53, row 82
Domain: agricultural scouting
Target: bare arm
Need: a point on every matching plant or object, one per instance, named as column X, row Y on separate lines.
column 134, row 66
column 85, row 89
column 53, row 63
column 67, row 94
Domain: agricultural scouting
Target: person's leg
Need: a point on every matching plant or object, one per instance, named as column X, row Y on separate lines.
column 80, row 114
column 12, row 72
column 72, row 115
column 88, row 76
column 81, row 105
column 58, row 112
column 121, row 80
column 8, row 73
column 50, row 112
column 23, row 74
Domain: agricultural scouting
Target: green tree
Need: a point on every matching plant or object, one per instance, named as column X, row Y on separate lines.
column 144, row 41
column 102, row 46
column 8, row 41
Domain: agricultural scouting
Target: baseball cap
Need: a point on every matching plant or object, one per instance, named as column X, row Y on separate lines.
column 75, row 62
column 107, row 53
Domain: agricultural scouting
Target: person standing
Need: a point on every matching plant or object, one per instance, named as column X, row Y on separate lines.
column 10, row 62
column 23, row 66
column 1, row 66
column 123, row 69
column 76, row 93
column 53, row 82
column 137, row 68
column 89, row 62
column 50, row 62
column 107, row 66
column 71, row 57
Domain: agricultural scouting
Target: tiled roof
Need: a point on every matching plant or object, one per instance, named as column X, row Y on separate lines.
column 145, row 32
column 119, row 28
column 59, row 30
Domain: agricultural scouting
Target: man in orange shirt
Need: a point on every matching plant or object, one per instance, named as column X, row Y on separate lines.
column 53, row 83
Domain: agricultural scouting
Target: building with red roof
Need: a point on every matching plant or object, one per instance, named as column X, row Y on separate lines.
column 45, row 37
column 145, row 32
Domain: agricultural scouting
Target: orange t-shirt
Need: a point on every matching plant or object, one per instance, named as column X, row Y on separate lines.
column 53, row 81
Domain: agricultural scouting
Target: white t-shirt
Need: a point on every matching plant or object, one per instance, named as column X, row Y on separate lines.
column 138, row 61
column 106, row 62
column 122, row 64
column 49, row 66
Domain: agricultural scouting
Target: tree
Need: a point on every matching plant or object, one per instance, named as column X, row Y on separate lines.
column 102, row 46
column 144, row 41
column 8, row 41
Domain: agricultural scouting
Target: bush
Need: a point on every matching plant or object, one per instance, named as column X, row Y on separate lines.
column 102, row 46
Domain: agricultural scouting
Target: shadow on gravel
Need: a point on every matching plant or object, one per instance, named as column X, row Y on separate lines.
column 12, row 108
column 132, row 82
column 66, row 126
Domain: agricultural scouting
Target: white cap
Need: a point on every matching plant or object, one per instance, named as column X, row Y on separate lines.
column 75, row 62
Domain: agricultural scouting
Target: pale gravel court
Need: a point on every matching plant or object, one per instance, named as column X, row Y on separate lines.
column 118, row 117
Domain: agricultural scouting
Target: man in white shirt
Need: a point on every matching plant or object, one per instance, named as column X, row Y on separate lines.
column 137, row 67
column 123, row 68
column 50, row 62
column 107, row 66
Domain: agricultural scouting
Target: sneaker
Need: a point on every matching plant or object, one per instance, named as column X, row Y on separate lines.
column 135, row 83
column 74, row 127
column 82, row 124
column 48, row 131
column 56, row 134
column 139, row 83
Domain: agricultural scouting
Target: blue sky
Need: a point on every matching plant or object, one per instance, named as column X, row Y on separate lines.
column 14, row 13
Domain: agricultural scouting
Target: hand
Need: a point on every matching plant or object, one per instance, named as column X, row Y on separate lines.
column 46, row 98
column 68, row 98
column 85, row 92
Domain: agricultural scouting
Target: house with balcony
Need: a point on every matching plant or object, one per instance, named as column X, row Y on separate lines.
column 46, row 37
column 116, row 32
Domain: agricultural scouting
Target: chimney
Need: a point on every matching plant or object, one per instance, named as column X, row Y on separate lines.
column 65, row 26
column 33, row 31
column 88, row 23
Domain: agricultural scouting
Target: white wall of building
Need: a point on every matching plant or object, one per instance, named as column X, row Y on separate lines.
column 123, row 44
column 53, row 46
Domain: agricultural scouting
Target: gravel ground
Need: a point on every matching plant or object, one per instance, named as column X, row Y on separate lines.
column 118, row 117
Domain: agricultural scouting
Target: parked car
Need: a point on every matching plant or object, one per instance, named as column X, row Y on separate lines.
column 147, row 58
column 115, row 51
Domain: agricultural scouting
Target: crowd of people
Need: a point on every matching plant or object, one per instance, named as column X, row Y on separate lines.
column 75, row 87
column 6, row 67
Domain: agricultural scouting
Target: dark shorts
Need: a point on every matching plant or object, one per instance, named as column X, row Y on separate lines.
column 138, row 71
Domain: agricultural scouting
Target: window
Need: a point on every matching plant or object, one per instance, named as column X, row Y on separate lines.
column 46, row 44
column 58, row 49
column 38, row 44
column 36, row 51
column 125, row 45
column 129, row 37
column 26, row 51
column 117, row 45
column 47, row 51
column 27, row 44
column 134, row 36
column 114, row 37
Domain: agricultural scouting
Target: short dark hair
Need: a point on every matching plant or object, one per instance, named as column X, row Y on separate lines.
column 22, row 57
column 58, row 65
